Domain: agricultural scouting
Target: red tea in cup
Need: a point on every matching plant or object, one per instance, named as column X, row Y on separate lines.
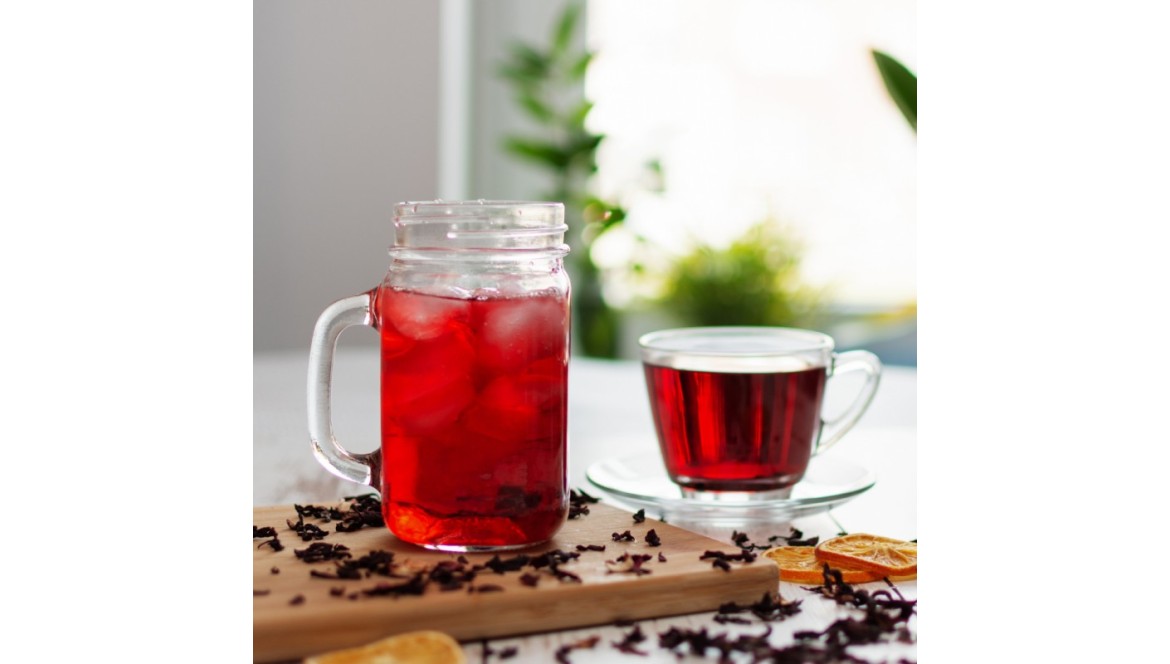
column 740, row 409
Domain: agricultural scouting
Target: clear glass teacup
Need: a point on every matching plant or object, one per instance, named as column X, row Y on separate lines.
column 738, row 410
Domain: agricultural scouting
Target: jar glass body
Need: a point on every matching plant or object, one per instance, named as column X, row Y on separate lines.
column 473, row 316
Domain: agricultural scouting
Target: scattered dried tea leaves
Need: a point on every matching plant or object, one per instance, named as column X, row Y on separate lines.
column 829, row 645
column 450, row 575
column 652, row 538
column 723, row 620
column 885, row 617
column 307, row 531
column 623, row 537
column 267, row 531
column 376, row 562
column 797, row 541
column 628, row 564
column 553, row 561
column 513, row 564
column 722, row 560
column 563, row 575
column 319, row 551
column 793, row 538
column 562, row 654
column 770, row 608
column 325, row 514
column 640, row 516
column 365, row 511
column 579, row 503
column 629, row 641
column 417, row 585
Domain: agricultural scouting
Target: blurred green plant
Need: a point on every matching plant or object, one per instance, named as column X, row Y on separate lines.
column 547, row 84
column 754, row 281
column 901, row 84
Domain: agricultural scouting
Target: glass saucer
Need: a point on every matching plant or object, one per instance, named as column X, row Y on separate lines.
column 641, row 481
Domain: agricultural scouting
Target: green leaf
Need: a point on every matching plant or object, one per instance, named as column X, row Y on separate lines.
column 577, row 70
column 902, row 85
column 535, row 107
column 538, row 151
column 602, row 214
column 577, row 116
column 617, row 215
column 520, row 76
column 528, row 60
column 566, row 26
column 584, row 143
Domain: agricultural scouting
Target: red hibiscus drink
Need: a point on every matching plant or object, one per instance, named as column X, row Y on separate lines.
column 473, row 316
column 738, row 410
column 474, row 415
column 732, row 431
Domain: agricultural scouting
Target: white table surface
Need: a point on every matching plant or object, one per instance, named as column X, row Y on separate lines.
column 608, row 415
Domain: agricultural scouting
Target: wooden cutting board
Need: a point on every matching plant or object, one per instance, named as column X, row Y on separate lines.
column 322, row 620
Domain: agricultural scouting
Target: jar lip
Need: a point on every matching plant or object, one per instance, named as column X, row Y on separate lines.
column 476, row 254
column 534, row 211
column 493, row 225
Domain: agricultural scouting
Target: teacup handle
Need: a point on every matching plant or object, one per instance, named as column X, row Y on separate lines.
column 361, row 468
column 847, row 362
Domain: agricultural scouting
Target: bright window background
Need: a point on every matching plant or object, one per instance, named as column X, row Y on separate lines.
column 762, row 109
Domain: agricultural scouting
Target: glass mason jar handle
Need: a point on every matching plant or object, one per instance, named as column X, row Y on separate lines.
column 361, row 468
column 847, row 362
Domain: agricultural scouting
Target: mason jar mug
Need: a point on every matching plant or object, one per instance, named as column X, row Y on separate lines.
column 473, row 317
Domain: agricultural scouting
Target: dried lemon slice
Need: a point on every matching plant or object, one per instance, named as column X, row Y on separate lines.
column 884, row 555
column 799, row 564
column 425, row 647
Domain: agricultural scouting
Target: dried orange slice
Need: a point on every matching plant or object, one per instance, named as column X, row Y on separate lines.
column 799, row 564
column 423, row 647
column 884, row 555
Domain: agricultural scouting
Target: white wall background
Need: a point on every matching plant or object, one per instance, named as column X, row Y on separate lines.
column 346, row 124
column 359, row 105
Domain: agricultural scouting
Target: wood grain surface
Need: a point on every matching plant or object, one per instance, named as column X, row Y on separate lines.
column 321, row 621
